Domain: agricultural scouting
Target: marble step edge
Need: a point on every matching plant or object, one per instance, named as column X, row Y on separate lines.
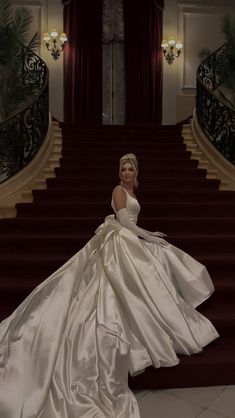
column 19, row 188
column 225, row 169
column 203, row 161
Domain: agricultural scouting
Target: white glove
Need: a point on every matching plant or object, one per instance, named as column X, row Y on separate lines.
column 157, row 234
column 124, row 219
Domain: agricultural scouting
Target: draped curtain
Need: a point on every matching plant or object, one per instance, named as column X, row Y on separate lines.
column 113, row 63
column 142, row 57
column 83, row 61
column 143, row 61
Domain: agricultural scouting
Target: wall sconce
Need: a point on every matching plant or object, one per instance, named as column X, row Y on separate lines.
column 171, row 49
column 53, row 47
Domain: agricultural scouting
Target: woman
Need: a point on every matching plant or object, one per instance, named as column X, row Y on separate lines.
column 124, row 302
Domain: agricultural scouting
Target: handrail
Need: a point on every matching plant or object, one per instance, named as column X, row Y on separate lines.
column 23, row 131
column 215, row 116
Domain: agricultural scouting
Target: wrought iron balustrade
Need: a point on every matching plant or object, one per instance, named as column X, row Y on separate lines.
column 215, row 116
column 24, row 129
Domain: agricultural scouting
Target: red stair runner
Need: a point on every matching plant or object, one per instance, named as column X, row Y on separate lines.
column 176, row 198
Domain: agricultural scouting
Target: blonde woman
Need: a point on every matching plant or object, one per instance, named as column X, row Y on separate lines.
column 122, row 303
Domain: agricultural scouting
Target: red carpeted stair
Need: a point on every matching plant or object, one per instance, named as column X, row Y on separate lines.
column 176, row 198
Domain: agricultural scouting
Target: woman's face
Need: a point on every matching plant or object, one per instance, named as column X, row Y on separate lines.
column 127, row 173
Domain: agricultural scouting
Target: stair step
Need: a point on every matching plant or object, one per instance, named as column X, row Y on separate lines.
column 168, row 182
column 42, row 265
column 58, row 140
column 122, row 148
column 27, row 195
column 104, row 153
column 152, row 173
column 40, row 184
column 180, row 156
column 88, row 154
column 158, row 195
column 101, row 209
column 196, row 154
column 212, row 174
column 203, row 164
column 144, row 166
column 87, row 224
column 27, row 244
column 49, row 172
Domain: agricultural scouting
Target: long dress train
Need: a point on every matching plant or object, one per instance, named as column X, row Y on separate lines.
column 119, row 305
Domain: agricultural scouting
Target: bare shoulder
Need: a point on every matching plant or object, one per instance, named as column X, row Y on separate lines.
column 119, row 197
column 118, row 191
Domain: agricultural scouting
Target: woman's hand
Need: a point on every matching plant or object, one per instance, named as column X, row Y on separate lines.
column 159, row 241
column 158, row 234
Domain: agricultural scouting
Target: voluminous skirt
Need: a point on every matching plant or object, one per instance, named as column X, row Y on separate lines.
column 117, row 306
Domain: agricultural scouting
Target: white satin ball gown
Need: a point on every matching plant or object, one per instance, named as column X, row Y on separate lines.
column 119, row 305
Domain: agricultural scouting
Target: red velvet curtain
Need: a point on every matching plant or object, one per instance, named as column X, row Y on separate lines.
column 143, row 61
column 83, row 61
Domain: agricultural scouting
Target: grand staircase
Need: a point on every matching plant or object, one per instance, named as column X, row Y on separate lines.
column 176, row 198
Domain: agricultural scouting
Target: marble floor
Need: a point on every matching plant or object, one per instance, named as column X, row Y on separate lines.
column 201, row 402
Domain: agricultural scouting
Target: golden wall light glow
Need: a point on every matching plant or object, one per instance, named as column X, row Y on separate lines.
column 54, row 45
column 171, row 49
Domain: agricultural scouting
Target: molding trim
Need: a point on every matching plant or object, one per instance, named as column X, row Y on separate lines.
column 195, row 10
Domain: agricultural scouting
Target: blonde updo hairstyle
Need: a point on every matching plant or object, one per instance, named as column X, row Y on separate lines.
column 131, row 159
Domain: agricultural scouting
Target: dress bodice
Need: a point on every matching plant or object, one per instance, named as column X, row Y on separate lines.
column 132, row 206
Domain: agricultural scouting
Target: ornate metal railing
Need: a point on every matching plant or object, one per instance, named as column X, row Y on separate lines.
column 216, row 117
column 23, row 131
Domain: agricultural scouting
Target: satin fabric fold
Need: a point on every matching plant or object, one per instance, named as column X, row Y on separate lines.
column 117, row 306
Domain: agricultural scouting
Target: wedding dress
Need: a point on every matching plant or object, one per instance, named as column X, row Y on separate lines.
column 119, row 305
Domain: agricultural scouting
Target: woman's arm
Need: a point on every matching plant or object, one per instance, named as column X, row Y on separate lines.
column 119, row 198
